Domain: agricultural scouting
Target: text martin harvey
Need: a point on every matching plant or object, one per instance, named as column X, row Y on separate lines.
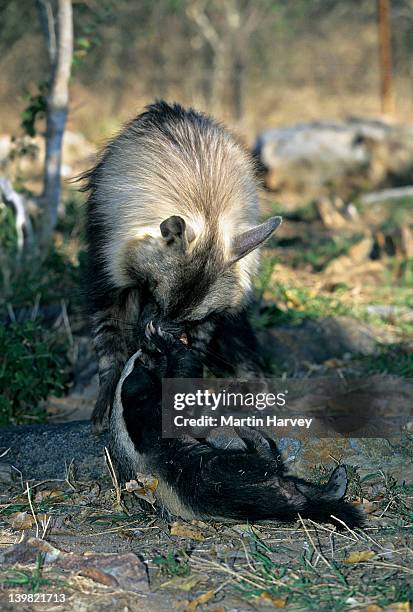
column 232, row 421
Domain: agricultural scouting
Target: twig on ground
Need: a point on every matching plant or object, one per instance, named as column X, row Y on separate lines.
column 113, row 476
column 316, row 550
column 347, row 527
column 32, row 509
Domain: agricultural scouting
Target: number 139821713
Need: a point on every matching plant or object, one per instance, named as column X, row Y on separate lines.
column 37, row 598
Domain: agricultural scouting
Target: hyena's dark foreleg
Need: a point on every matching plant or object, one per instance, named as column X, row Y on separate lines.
column 234, row 348
column 112, row 353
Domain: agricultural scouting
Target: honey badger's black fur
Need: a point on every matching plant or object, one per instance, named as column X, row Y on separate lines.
column 172, row 230
column 197, row 479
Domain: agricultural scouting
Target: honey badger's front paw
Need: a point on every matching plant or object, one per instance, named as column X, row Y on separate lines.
column 171, row 356
column 160, row 340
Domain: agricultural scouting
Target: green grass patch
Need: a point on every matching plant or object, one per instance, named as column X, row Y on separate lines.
column 303, row 584
column 30, row 580
column 391, row 359
column 291, row 305
column 173, row 564
column 47, row 282
column 51, row 279
column 33, row 365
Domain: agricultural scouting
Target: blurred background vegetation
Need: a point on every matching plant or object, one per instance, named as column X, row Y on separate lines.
column 260, row 62
column 254, row 65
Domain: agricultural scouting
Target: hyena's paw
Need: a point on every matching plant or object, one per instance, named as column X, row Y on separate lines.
column 98, row 418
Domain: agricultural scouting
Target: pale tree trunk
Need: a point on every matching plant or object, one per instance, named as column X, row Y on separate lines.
column 228, row 36
column 241, row 24
column 196, row 11
column 57, row 20
column 219, row 78
column 238, row 73
column 385, row 56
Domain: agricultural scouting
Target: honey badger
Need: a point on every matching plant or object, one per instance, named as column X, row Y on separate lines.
column 195, row 479
column 172, row 230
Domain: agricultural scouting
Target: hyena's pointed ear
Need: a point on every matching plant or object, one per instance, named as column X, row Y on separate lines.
column 251, row 239
column 175, row 232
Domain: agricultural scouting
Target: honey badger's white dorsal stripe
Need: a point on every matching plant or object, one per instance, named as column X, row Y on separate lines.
column 190, row 167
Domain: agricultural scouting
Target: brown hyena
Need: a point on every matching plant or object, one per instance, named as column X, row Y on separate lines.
column 172, row 234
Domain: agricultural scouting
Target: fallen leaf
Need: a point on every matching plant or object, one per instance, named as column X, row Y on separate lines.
column 359, row 556
column 48, row 494
column 293, row 300
column 333, row 363
column 204, row 598
column 21, row 520
column 186, row 531
column 148, row 481
column 277, row 602
column 401, row 606
column 186, row 583
column 143, row 487
column 373, row 608
column 369, row 506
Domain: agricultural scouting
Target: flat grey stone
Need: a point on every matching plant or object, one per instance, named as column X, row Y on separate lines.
column 316, row 341
column 45, row 451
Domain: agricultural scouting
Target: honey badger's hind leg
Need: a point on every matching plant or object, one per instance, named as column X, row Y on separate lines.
column 331, row 494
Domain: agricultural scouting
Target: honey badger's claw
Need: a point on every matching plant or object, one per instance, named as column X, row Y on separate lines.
column 149, row 330
column 158, row 338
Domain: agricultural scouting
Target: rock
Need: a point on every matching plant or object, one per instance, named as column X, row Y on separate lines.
column 121, row 571
column 316, row 341
column 45, row 451
column 335, row 157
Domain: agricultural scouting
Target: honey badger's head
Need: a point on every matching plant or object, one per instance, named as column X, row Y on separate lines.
column 191, row 283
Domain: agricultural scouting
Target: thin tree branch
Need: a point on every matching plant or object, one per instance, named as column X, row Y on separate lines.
column 47, row 22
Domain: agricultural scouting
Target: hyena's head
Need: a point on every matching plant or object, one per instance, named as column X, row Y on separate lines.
column 174, row 202
column 191, row 283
